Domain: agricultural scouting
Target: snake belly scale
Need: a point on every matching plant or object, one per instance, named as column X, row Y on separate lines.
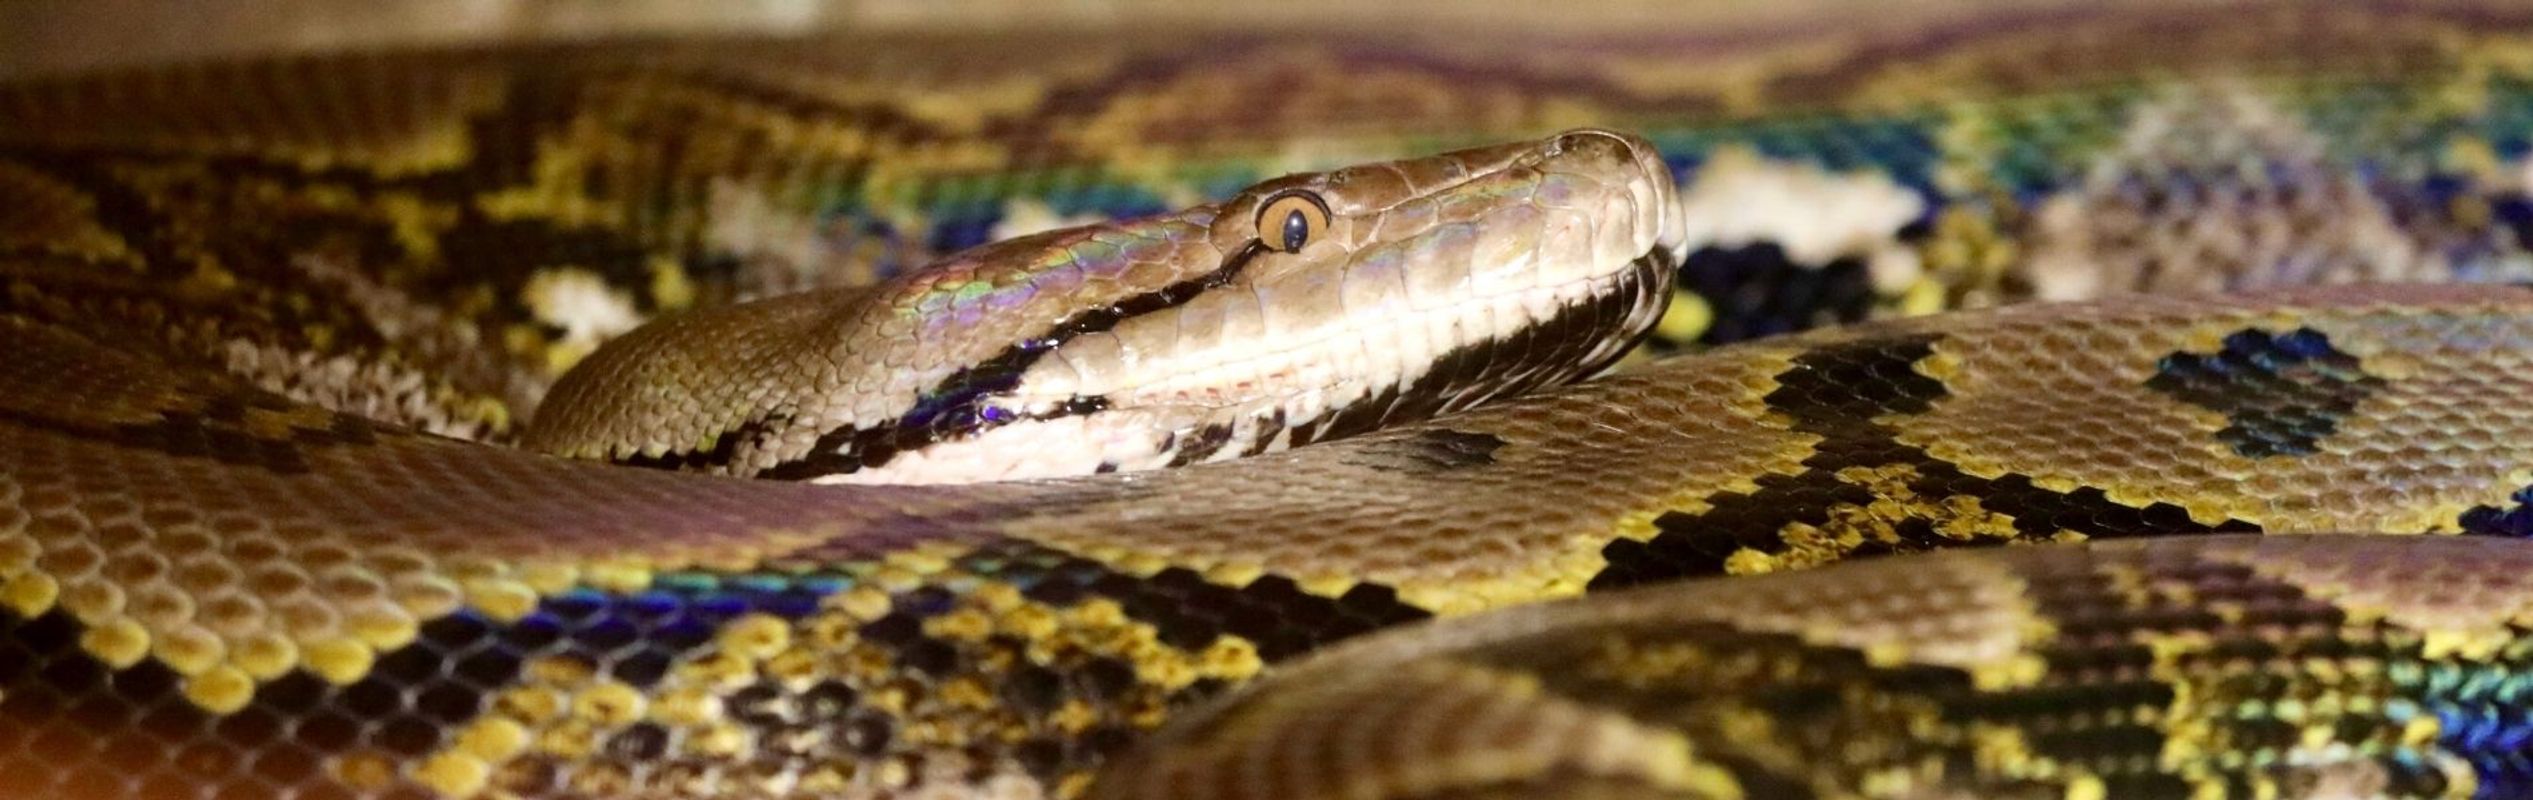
column 270, row 325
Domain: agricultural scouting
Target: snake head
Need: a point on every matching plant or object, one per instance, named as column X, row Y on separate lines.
column 1302, row 309
column 1450, row 228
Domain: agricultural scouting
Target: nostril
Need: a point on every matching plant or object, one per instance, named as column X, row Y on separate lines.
column 1586, row 141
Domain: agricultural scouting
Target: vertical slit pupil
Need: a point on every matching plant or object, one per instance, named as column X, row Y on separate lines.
column 1296, row 231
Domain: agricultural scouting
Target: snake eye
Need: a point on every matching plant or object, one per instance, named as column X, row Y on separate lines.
column 1291, row 219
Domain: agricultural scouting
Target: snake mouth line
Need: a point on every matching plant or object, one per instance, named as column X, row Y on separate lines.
column 1569, row 332
column 961, row 408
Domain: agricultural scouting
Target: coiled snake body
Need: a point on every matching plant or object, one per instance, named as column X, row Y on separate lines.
column 254, row 310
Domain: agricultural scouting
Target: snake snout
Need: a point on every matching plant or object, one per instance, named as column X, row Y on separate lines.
column 1581, row 139
column 1615, row 143
column 1658, row 194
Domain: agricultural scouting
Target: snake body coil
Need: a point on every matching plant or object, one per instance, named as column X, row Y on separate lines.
column 254, row 313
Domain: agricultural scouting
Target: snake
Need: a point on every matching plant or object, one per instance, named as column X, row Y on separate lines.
column 337, row 459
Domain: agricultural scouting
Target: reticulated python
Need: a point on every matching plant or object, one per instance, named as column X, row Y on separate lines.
column 252, row 309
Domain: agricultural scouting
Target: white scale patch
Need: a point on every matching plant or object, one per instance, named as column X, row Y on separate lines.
column 582, row 304
column 1739, row 198
column 783, row 246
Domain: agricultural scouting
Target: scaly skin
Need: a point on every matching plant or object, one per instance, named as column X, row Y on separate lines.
column 212, row 588
column 2305, row 666
column 193, row 562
